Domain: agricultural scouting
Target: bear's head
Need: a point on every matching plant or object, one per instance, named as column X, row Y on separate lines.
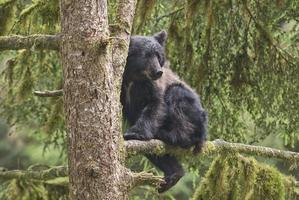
column 146, row 57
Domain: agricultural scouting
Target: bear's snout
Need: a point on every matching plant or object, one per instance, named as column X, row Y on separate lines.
column 157, row 74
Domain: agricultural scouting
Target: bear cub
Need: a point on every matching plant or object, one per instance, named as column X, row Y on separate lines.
column 158, row 105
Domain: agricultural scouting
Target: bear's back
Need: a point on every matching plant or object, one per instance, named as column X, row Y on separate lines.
column 169, row 78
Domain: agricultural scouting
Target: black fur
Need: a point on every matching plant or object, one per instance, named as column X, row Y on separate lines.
column 158, row 105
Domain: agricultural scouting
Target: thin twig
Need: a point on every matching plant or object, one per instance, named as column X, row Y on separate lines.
column 47, row 93
column 168, row 14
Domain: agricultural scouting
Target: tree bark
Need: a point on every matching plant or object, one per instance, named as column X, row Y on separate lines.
column 90, row 102
column 91, row 98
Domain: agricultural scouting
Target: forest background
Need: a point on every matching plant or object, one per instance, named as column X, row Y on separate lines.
column 241, row 56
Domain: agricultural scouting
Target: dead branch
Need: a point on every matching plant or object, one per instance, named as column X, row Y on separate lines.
column 48, row 93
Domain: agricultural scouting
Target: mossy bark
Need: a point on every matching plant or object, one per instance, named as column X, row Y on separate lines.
column 90, row 103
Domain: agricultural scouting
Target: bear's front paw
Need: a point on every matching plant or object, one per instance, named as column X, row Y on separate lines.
column 132, row 134
column 135, row 136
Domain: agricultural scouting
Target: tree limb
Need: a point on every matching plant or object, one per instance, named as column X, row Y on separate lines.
column 158, row 147
column 47, row 93
column 212, row 147
column 169, row 14
column 16, row 42
column 44, row 175
column 144, row 178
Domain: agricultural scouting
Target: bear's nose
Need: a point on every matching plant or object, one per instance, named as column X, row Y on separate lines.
column 159, row 74
column 156, row 75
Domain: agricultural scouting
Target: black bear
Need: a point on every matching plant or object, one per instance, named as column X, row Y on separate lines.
column 158, row 105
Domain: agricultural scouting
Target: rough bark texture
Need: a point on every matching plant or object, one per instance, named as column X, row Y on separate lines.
column 15, row 42
column 91, row 100
column 120, row 39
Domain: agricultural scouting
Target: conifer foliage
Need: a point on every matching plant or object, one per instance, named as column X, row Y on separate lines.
column 241, row 56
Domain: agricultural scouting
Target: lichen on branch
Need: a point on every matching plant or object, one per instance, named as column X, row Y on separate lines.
column 144, row 178
column 51, row 173
column 214, row 147
column 16, row 42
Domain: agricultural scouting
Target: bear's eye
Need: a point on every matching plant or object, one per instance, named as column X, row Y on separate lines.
column 160, row 59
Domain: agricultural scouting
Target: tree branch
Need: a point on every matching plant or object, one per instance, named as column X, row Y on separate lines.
column 223, row 146
column 158, row 147
column 169, row 14
column 144, row 178
column 44, row 175
column 47, row 93
column 16, row 42
column 212, row 147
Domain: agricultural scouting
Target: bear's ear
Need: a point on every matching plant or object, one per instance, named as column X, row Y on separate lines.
column 161, row 37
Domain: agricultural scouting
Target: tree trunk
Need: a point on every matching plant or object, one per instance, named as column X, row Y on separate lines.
column 90, row 102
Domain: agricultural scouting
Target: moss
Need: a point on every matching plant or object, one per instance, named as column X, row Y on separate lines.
column 30, row 189
column 234, row 177
column 214, row 184
column 7, row 12
column 55, row 118
column 24, row 89
column 190, row 15
column 144, row 9
column 43, row 13
column 268, row 184
column 9, row 72
column 20, row 189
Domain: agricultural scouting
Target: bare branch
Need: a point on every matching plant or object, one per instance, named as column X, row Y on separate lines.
column 34, row 42
column 47, row 93
column 169, row 14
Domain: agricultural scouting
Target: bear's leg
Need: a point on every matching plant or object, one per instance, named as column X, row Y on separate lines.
column 171, row 168
column 187, row 119
column 148, row 123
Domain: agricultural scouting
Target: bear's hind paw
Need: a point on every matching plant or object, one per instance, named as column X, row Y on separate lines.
column 170, row 181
